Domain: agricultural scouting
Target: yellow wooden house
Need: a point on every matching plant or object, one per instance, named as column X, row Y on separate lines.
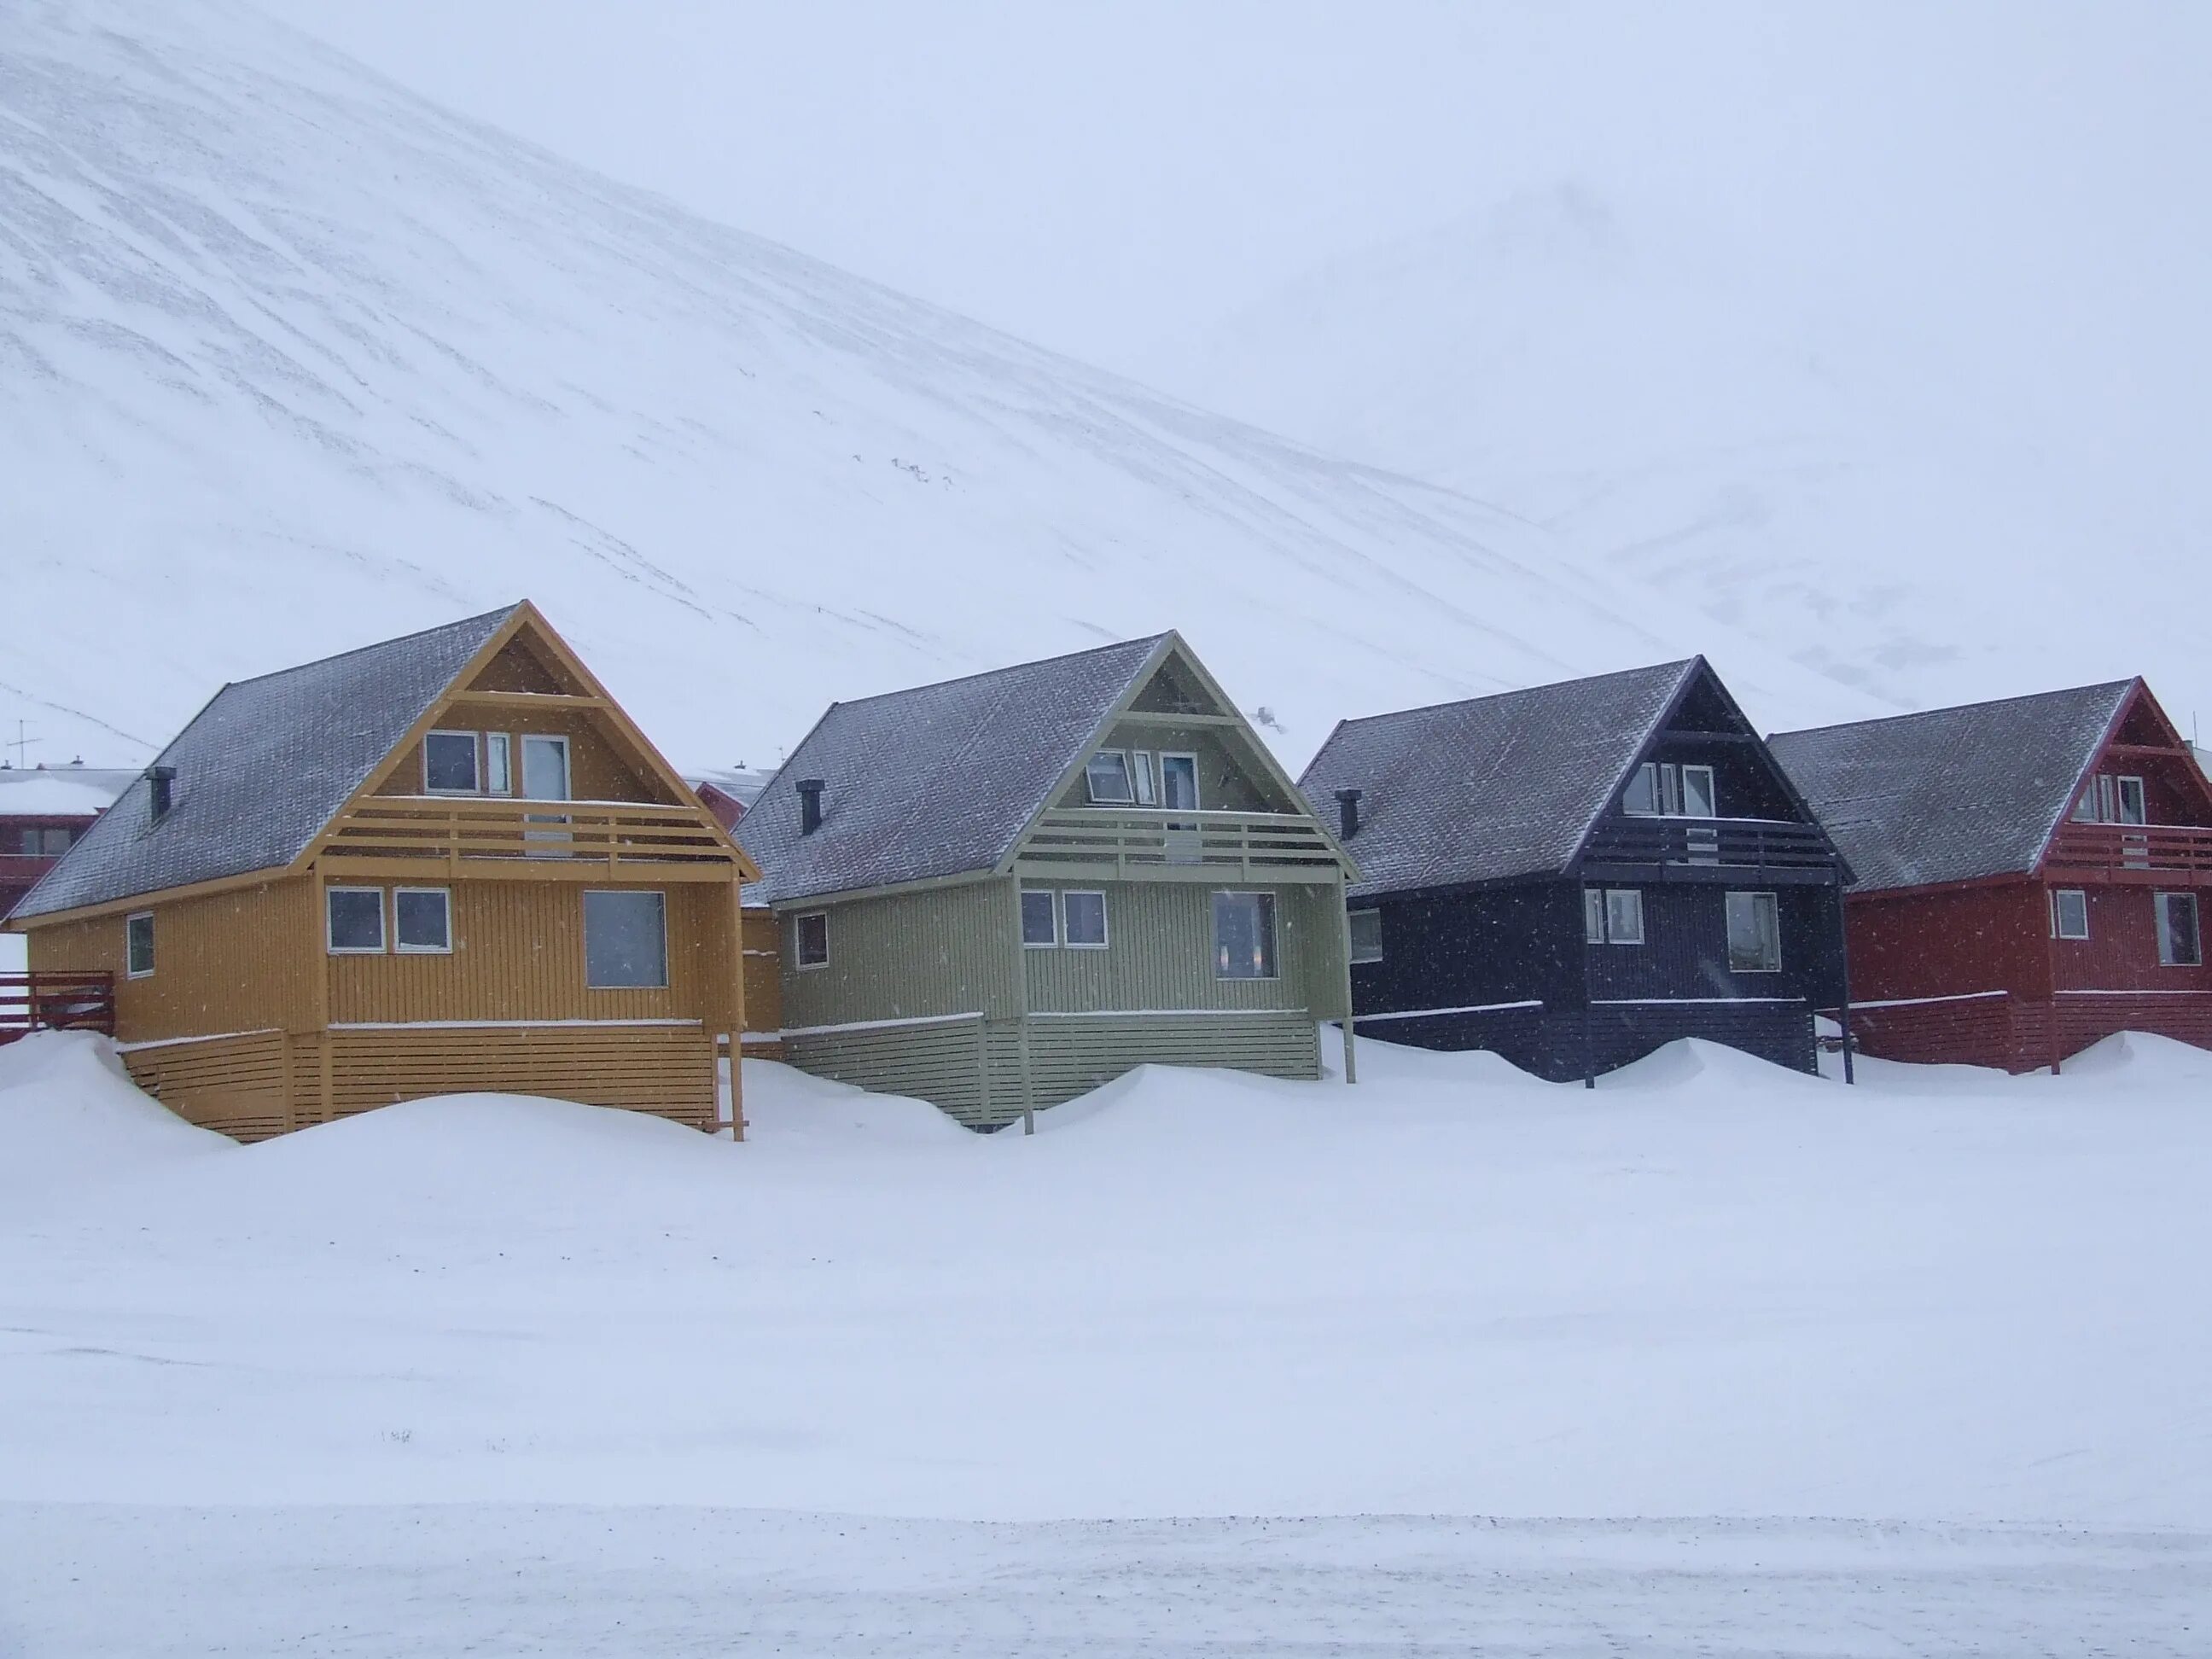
column 447, row 862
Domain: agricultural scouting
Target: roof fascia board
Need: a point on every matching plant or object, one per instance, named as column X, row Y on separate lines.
column 1081, row 758
column 823, row 900
column 269, row 876
column 2084, row 771
column 1651, row 733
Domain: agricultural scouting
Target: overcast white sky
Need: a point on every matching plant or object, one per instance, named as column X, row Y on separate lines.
column 1101, row 177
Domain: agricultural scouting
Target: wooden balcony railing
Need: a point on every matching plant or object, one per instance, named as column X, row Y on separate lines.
column 56, row 1002
column 1136, row 843
column 1769, row 844
column 459, row 829
column 2181, row 854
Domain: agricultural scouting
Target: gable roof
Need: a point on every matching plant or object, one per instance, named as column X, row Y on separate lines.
column 1952, row 794
column 263, row 768
column 940, row 780
column 1494, row 787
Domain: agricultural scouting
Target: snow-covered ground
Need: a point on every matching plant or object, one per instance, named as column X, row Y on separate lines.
column 1946, row 1303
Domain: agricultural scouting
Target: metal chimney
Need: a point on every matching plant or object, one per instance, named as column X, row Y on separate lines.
column 1348, row 814
column 160, row 781
column 810, row 805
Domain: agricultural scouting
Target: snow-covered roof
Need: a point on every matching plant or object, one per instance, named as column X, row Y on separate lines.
column 1494, row 787
column 262, row 769
column 60, row 791
column 1951, row 795
column 938, row 780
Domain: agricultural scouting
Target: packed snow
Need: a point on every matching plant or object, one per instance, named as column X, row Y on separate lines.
column 1929, row 1357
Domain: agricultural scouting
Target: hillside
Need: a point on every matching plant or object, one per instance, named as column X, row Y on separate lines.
column 1938, row 496
column 290, row 360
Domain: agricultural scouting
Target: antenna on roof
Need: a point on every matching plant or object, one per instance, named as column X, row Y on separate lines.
column 20, row 742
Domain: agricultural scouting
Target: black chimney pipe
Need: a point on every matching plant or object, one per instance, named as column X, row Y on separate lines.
column 1348, row 814
column 810, row 805
column 159, row 779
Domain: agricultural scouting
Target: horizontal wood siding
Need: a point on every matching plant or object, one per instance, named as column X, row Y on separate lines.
column 233, row 1085
column 1160, row 954
column 1782, row 1035
column 519, row 954
column 940, row 950
column 1071, row 1057
column 940, row 1063
column 668, row 1071
column 2025, row 1034
column 1523, row 1036
column 223, row 962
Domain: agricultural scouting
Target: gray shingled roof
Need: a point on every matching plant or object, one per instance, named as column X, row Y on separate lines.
column 1492, row 788
column 939, row 781
column 262, row 769
column 1951, row 795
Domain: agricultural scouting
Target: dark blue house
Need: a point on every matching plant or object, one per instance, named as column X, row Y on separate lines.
column 1573, row 875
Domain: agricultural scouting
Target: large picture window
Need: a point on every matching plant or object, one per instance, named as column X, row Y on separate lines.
column 355, row 919
column 138, row 944
column 625, row 941
column 449, row 763
column 2178, row 944
column 1754, row 933
column 1245, row 936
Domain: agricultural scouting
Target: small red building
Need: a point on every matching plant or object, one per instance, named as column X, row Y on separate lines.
column 43, row 810
column 2030, row 872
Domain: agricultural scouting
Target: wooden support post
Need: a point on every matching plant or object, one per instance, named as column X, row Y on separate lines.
column 2050, row 968
column 1344, row 944
column 1021, row 1015
column 318, row 975
column 737, row 1010
column 1589, row 1037
column 1844, row 1025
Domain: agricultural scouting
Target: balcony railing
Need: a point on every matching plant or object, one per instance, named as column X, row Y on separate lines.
column 56, row 1002
column 1123, row 843
column 461, row 830
column 1771, row 844
column 2149, row 852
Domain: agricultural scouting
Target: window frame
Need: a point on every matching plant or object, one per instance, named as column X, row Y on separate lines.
column 500, row 744
column 1773, row 908
column 798, row 920
column 1067, row 940
column 2058, row 913
column 1634, row 893
column 1142, row 779
column 2120, row 785
column 2166, row 957
column 1712, row 792
column 131, row 968
column 1355, row 953
column 1052, row 915
column 1646, row 776
column 1264, row 905
column 1197, row 793
column 1593, row 915
column 583, row 908
column 1128, row 796
column 475, row 762
column 331, row 945
column 400, row 946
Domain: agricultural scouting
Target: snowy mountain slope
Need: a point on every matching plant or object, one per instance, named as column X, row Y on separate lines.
column 290, row 360
column 1935, row 505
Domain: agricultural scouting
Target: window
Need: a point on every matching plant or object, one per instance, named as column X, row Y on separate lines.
column 1366, row 935
column 1083, row 916
column 449, row 763
column 1624, row 916
column 1641, row 800
column 810, row 939
column 1107, row 778
column 1039, row 929
column 53, row 843
column 1593, row 915
column 1140, row 772
column 625, row 941
column 2069, row 913
column 2085, row 809
column 2129, row 792
column 1697, row 797
column 1179, row 782
column 1754, row 933
column 1245, row 936
column 422, row 920
column 2179, row 945
column 1662, row 789
column 356, row 918
column 499, row 774
column 139, row 944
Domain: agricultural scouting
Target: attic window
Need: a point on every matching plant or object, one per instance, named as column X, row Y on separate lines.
column 449, row 763
column 1106, row 779
column 1662, row 789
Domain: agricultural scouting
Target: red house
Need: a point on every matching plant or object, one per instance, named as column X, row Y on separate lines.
column 2030, row 874
column 43, row 810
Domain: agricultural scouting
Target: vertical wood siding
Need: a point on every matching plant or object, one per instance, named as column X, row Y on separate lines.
column 1160, row 954
column 763, row 972
column 1929, row 944
column 1224, row 783
column 596, row 770
column 940, row 950
column 2121, row 953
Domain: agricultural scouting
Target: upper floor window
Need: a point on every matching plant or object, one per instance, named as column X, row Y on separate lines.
column 1179, row 782
column 1754, row 933
column 1662, row 789
column 1245, row 936
column 2106, row 799
column 2179, row 945
column 49, row 841
column 139, row 944
column 1106, row 779
column 449, row 763
column 1366, row 935
column 810, row 939
column 2069, row 913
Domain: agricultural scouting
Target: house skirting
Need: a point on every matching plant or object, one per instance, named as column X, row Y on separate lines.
column 984, row 1072
column 2024, row 1034
column 255, row 1085
column 1560, row 1045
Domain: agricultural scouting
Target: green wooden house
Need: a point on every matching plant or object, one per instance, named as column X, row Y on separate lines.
column 998, row 892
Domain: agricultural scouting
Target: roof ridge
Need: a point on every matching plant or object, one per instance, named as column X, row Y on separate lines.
column 501, row 612
column 1903, row 715
column 1147, row 640
column 1681, row 663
